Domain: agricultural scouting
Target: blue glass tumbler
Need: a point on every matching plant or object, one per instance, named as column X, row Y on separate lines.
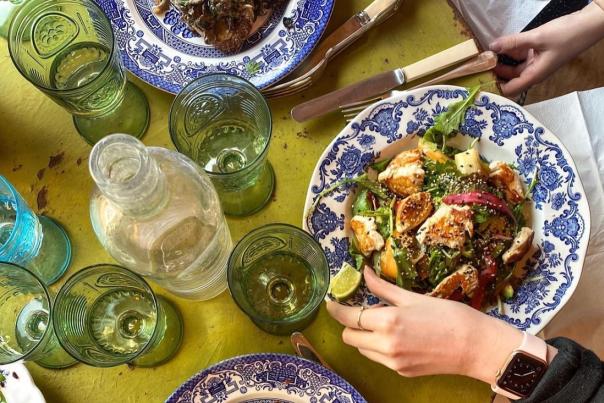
column 38, row 243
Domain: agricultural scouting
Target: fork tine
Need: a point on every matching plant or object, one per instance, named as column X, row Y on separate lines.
column 289, row 90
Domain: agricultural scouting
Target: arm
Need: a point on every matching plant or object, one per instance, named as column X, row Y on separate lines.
column 420, row 335
column 545, row 49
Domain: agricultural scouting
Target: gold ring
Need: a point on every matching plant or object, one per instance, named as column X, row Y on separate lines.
column 359, row 318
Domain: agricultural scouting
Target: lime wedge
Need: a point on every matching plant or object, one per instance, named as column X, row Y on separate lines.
column 346, row 283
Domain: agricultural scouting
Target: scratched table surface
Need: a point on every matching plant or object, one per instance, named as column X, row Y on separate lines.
column 42, row 155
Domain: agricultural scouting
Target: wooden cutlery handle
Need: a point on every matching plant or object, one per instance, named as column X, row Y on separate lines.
column 442, row 60
column 483, row 62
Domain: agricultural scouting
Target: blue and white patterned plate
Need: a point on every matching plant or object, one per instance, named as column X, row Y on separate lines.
column 266, row 378
column 161, row 51
column 560, row 215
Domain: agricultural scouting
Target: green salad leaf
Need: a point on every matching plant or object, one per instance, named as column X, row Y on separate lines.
column 449, row 121
column 406, row 273
column 380, row 166
column 357, row 256
column 383, row 219
column 361, row 202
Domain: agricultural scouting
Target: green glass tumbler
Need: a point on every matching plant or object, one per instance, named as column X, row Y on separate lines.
column 106, row 315
column 26, row 331
column 223, row 123
column 66, row 48
column 278, row 275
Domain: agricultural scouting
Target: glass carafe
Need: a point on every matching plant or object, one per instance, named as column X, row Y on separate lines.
column 157, row 213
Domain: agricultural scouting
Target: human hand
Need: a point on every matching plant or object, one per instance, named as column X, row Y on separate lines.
column 545, row 49
column 421, row 335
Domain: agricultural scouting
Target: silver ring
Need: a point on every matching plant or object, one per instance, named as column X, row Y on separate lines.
column 359, row 318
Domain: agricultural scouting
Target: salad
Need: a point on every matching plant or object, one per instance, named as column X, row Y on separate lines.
column 443, row 221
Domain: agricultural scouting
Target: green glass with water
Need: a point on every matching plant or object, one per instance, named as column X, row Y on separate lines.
column 278, row 275
column 106, row 315
column 66, row 48
column 223, row 123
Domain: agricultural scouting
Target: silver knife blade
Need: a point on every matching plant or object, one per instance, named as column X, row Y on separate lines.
column 356, row 92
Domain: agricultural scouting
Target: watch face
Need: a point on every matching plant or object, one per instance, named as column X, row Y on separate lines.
column 522, row 374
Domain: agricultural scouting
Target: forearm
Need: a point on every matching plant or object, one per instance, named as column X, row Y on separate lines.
column 590, row 24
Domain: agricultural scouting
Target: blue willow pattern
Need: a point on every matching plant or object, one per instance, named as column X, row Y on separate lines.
column 558, row 197
column 164, row 55
column 280, row 374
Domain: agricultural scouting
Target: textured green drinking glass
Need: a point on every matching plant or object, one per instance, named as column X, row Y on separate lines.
column 223, row 123
column 26, row 331
column 278, row 275
column 106, row 315
column 66, row 48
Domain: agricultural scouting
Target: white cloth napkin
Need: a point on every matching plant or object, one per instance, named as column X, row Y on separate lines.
column 490, row 19
column 577, row 119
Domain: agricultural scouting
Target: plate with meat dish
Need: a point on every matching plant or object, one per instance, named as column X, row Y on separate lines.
column 168, row 43
column 458, row 194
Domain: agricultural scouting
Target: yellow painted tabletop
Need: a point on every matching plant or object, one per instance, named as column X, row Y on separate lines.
column 34, row 131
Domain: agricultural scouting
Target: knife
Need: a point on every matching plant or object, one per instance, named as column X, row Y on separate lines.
column 348, row 32
column 384, row 82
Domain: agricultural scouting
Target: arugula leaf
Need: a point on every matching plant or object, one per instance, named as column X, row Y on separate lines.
column 362, row 180
column 481, row 213
column 532, row 185
column 361, row 202
column 406, row 274
column 380, row 166
column 383, row 219
column 449, row 121
column 437, row 266
column 357, row 256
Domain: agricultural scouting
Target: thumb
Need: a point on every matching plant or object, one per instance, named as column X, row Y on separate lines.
column 385, row 290
column 514, row 44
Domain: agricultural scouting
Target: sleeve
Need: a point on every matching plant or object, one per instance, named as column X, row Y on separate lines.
column 575, row 375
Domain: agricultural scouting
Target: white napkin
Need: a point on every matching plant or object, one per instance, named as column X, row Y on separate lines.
column 490, row 19
column 577, row 120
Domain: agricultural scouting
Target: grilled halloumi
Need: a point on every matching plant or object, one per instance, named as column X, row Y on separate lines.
column 366, row 235
column 448, row 226
column 412, row 211
column 465, row 277
column 504, row 176
column 404, row 175
column 520, row 246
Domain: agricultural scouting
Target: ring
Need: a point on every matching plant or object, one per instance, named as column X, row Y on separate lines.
column 359, row 318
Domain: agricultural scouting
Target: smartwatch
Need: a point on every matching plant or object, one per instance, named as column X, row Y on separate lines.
column 523, row 369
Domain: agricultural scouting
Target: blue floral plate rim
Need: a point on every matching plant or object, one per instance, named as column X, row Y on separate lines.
column 312, row 382
column 561, row 211
column 162, row 52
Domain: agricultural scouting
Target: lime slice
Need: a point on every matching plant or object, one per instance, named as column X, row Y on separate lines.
column 346, row 283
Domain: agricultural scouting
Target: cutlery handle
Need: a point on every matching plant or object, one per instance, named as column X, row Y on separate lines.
column 442, row 60
column 305, row 350
column 483, row 62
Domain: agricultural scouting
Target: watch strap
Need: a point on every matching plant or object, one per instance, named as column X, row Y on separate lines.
column 531, row 345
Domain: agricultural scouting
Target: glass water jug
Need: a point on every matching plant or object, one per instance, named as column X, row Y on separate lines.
column 157, row 213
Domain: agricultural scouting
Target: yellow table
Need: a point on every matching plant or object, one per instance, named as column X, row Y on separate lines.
column 33, row 130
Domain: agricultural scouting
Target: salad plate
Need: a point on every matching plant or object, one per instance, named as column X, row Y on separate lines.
column 162, row 51
column 263, row 378
column 559, row 213
column 17, row 385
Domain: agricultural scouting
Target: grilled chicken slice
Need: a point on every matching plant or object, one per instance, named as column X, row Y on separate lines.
column 388, row 265
column 412, row 211
column 366, row 235
column 505, row 177
column 448, row 226
column 465, row 277
column 520, row 245
column 404, row 175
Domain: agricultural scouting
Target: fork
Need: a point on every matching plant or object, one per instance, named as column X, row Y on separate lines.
column 345, row 35
column 481, row 63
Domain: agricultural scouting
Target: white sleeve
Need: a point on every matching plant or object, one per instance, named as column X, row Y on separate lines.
column 490, row 19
